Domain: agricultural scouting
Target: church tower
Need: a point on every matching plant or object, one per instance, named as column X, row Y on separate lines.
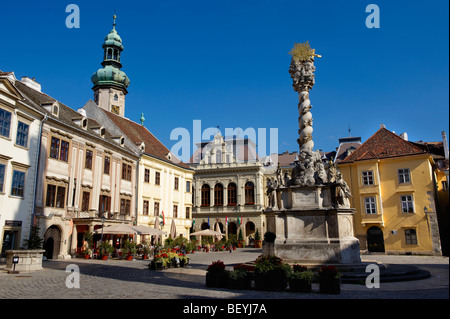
column 110, row 83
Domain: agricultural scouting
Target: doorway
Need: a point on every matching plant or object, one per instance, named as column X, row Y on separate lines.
column 375, row 240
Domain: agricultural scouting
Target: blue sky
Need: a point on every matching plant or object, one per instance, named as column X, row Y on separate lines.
column 226, row 62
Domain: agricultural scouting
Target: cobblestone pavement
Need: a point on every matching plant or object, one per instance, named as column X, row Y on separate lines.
column 120, row 279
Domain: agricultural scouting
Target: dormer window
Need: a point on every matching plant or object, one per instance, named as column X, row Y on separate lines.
column 84, row 123
column 102, row 132
column 55, row 110
column 122, row 141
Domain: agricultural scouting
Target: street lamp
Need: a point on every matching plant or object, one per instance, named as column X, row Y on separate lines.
column 103, row 223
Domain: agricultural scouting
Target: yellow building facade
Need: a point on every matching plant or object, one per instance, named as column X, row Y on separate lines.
column 393, row 185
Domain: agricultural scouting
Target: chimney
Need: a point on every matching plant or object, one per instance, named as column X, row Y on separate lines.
column 444, row 142
column 382, row 126
column 404, row 136
column 31, row 83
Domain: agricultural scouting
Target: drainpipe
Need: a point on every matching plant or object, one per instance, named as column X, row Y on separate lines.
column 33, row 215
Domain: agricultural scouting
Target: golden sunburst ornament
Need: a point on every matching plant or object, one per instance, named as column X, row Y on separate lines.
column 303, row 51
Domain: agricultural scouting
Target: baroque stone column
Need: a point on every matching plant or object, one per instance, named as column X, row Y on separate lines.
column 302, row 73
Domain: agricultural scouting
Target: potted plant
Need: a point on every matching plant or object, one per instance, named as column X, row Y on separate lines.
column 240, row 239
column 239, row 278
column 257, row 239
column 300, row 279
column 271, row 273
column 105, row 249
column 145, row 250
column 216, row 276
column 157, row 263
column 129, row 249
column 329, row 280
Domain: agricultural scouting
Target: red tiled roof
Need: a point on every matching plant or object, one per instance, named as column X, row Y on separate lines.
column 382, row 144
column 138, row 133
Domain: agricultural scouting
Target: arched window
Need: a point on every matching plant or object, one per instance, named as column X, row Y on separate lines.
column 232, row 195
column 218, row 157
column 218, row 195
column 206, row 195
column 116, row 97
column 115, row 54
column 109, row 54
column 249, row 193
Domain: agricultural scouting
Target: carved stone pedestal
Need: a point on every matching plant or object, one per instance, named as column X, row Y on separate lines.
column 310, row 228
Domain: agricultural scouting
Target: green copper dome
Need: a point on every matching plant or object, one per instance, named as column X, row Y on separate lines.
column 113, row 39
column 110, row 74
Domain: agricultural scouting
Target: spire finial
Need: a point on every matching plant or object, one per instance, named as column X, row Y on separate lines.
column 142, row 119
column 114, row 23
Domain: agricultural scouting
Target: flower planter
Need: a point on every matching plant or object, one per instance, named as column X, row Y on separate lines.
column 129, row 257
column 105, row 257
column 144, row 257
column 216, row 279
column 299, row 285
column 239, row 284
column 86, row 256
column 273, row 280
column 330, row 285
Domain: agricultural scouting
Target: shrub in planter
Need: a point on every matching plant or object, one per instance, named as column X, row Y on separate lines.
column 300, row 279
column 329, row 280
column 216, row 276
column 269, row 237
column 157, row 263
column 105, row 250
column 271, row 273
column 129, row 249
column 239, row 278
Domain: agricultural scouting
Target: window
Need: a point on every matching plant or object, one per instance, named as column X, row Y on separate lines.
column 56, row 196
column 147, row 175
column 206, row 195
column 219, row 157
column 145, row 207
column 188, row 186
column 116, row 97
column 403, row 176
column 218, row 195
column 188, row 212
column 444, row 185
column 249, row 193
column 176, row 183
column 5, row 122
column 125, row 206
column 410, row 237
column 371, row 205
column 175, row 211
column 367, row 177
column 407, row 204
column 232, row 198
column 22, row 134
column 126, row 172
column 156, row 208
column 54, row 148
column 59, row 149
column 18, row 183
column 157, row 178
column 106, row 165
column 104, row 204
column 64, row 155
column 85, row 201
column 2, row 176
column 88, row 161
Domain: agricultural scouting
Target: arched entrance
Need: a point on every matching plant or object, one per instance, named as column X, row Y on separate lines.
column 232, row 228
column 375, row 240
column 204, row 226
column 52, row 242
column 250, row 231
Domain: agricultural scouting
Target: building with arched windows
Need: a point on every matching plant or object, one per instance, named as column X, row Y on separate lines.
column 229, row 187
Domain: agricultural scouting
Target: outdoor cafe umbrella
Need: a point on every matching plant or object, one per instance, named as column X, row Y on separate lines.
column 205, row 232
column 219, row 237
column 125, row 229
column 173, row 229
